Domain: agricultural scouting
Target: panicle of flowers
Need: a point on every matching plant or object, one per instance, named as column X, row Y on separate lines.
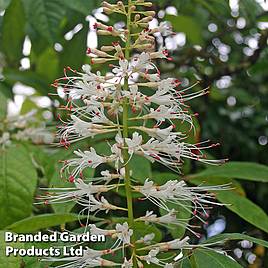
column 25, row 127
column 143, row 113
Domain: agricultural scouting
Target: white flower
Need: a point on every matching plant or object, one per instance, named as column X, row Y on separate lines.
column 127, row 263
column 161, row 98
column 36, row 135
column 119, row 140
column 22, row 121
column 82, row 127
column 176, row 192
column 178, row 257
column 165, row 28
column 167, row 85
column 75, row 130
column 98, row 116
column 93, row 205
column 90, row 258
column 179, row 96
column 91, row 104
column 82, row 85
column 160, row 134
column 162, row 53
column 98, row 231
column 176, row 244
column 89, row 76
column 151, row 257
column 163, row 113
column 89, row 158
column 142, row 62
column 116, row 156
column 123, row 172
column 147, row 239
column 135, row 97
column 134, row 143
column 122, row 70
column 171, row 151
column 86, row 89
column 107, row 176
column 81, row 189
column 5, row 139
column 153, row 77
column 164, row 133
column 75, row 166
column 123, row 232
column 170, row 217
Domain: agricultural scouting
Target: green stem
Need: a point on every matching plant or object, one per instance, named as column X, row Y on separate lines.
column 125, row 135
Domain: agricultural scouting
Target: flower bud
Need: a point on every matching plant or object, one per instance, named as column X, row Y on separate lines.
column 105, row 32
column 137, row 17
column 107, row 11
column 149, row 13
column 99, row 53
column 98, row 60
column 146, row 19
column 148, row 4
column 107, row 5
column 148, row 46
column 144, row 25
column 107, row 48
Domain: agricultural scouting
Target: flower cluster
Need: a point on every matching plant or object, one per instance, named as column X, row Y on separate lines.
column 143, row 112
column 25, row 127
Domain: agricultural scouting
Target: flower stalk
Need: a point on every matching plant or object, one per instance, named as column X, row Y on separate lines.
column 126, row 135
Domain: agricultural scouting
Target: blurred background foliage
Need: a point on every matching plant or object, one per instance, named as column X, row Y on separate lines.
column 222, row 44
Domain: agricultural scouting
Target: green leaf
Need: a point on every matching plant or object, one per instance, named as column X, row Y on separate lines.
column 28, row 78
column 245, row 208
column 236, row 201
column 141, row 229
column 45, row 16
column 185, row 263
column 44, row 221
column 13, row 32
column 6, row 90
column 10, row 261
column 235, row 236
column 74, row 51
column 237, row 170
column 163, row 177
column 141, row 168
column 83, row 6
column 3, row 104
column 263, row 18
column 188, row 25
column 27, row 106
column 18, row 181
column 204, row 258
column 48, row 58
